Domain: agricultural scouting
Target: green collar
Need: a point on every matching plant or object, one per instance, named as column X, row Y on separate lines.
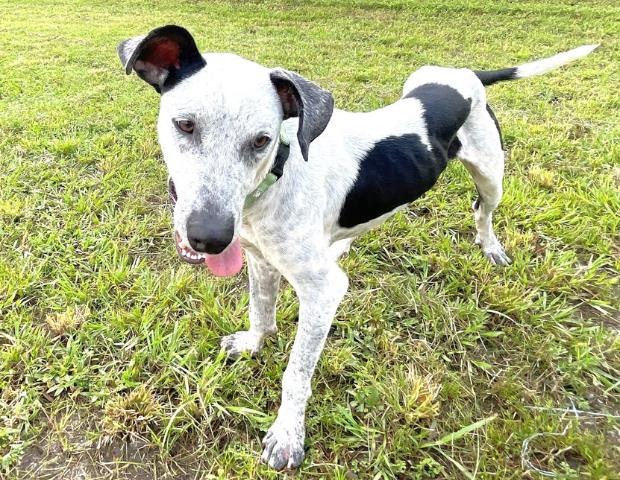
column 275, row 173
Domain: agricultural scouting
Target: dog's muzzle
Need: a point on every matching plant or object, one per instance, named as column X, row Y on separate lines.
column 210, row 242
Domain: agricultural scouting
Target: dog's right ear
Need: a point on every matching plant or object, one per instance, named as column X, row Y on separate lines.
column 162, row 57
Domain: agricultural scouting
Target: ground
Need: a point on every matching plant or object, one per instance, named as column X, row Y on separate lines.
column 438, row 365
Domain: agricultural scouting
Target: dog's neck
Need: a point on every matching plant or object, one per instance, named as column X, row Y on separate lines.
column 277, row 170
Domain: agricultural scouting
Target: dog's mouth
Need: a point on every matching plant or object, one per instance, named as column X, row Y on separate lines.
column 224, row 264
column 187, row 253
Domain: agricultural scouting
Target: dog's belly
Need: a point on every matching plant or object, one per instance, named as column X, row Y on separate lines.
column 341, row 233
column 396, row 171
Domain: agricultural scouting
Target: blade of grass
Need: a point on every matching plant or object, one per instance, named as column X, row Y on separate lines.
column 459, row 433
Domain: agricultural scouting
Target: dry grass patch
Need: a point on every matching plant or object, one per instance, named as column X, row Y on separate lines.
column 131, row 415
column 64, row 323
column 541, row 177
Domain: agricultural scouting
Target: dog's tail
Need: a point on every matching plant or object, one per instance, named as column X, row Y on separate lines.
column 489, row 77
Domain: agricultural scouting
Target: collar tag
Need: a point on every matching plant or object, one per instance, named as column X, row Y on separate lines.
column 284, row 140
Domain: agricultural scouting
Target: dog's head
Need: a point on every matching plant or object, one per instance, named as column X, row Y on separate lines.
column 219, row 124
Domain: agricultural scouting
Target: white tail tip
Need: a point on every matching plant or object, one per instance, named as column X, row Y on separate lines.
column 543, row 66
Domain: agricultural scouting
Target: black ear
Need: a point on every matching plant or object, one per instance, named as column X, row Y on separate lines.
column 161, row 58
column 306, row 100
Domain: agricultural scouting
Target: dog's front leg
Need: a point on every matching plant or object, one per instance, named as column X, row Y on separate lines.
column 319, row 294
column 264, row 286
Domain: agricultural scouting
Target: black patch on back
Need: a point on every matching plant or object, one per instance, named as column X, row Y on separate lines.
column 445, row 111
column 501, row 140
column 396, row 171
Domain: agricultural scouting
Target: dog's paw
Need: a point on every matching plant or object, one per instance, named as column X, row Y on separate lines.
column 244, row 341
column 494, row 252
column 284, row 443
column 497, row 257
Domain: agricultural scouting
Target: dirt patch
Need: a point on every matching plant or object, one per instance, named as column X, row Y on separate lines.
column 607, row 318
column 66, row 450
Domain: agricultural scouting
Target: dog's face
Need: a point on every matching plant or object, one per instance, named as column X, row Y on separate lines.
column 219, row 134
column 219, row 125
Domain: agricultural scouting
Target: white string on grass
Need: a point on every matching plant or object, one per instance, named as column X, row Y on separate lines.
column 525, row 449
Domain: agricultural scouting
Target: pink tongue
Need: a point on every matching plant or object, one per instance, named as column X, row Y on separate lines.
column 227, row 263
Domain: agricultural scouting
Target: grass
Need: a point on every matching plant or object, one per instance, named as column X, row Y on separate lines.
column 438, row 365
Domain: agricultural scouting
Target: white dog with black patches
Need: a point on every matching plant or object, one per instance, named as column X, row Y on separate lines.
column 260, row 158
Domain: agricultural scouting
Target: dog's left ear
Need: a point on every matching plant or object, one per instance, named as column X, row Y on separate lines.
column 306, row 100
column 162, row 57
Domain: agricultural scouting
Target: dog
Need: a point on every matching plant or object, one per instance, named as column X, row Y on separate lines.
column 259, row 158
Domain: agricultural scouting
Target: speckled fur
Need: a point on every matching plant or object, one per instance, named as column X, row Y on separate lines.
column 293, row 230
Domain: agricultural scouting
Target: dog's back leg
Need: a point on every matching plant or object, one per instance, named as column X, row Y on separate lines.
column 483, row 156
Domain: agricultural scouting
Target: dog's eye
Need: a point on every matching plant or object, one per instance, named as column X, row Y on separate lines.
column 186, row 126
column 261, row 141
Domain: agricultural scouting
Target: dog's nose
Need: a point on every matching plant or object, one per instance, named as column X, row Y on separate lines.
column 208, row 233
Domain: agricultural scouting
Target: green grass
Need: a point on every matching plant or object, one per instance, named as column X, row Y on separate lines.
column 109, row 345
